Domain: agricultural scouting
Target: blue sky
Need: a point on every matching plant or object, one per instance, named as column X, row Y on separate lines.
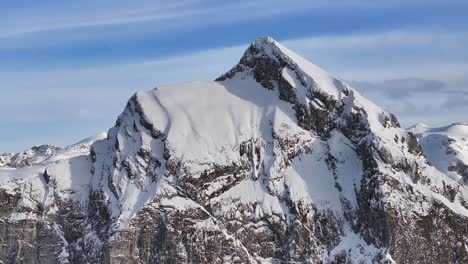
column 68, row 68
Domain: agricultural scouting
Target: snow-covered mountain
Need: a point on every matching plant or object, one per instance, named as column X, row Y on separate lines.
column 446, row 148
column 46, row 154
column 274, row 162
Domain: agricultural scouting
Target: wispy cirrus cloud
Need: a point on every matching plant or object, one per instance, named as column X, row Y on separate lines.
column 66, row 16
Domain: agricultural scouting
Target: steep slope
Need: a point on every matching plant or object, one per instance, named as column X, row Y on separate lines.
column 446, row 148
column 274, row 162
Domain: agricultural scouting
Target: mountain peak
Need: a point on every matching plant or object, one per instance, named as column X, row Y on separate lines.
column 264, row 41
column 276, row 67
column 268, row 44
column 455, row 130
column 460, row 124
column 90, row 140
column 418, row 128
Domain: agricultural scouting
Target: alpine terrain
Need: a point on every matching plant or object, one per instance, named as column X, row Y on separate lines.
column 446, row 148
column 275, row 161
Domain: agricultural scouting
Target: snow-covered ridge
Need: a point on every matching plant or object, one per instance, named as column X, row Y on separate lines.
column 298, row 81
column 329, row 84
column 45, row 176
column 455, row 130
column 446, row 148
column 88, row 141
column 418, row 128
column 47, row 154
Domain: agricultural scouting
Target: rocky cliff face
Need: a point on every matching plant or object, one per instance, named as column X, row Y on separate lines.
column 274, row 162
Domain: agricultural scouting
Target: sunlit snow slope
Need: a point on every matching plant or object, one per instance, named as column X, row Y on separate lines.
column 275, row 161
column 446, row 148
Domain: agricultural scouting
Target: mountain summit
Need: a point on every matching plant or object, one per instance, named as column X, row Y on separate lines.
column 274, row 162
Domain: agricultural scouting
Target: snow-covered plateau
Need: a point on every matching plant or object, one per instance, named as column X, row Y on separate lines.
column 275, row 161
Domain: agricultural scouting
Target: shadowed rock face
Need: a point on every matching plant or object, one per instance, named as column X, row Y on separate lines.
column 324, row 177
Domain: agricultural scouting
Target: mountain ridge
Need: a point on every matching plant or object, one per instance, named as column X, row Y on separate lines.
column 447, row 148
column 274, row 162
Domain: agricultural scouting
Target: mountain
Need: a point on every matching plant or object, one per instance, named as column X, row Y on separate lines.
column 446, row 148
column 275, row 161
column 45, row 154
